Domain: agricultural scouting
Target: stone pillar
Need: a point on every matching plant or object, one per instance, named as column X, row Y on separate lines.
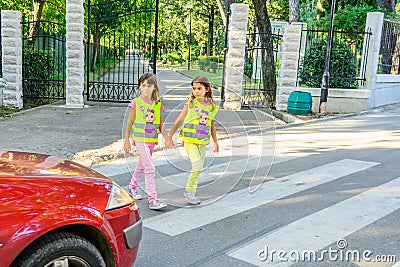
column 234, row 61
column 75, row 72
column 369, row 67
column 288, row 65
column 11, row 37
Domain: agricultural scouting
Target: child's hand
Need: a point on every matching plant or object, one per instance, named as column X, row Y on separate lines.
column 168, row 143
column 216, row 148
column 127, row 146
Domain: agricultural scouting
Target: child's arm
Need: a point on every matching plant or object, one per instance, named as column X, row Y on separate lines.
column 176, row 124
column 128, row 127
column 214, row 137
column 162, row 130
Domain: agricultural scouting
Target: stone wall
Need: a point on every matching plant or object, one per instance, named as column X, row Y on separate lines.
column 288, row 65
column 234, row 61
column 75, row 71
column 11, row 37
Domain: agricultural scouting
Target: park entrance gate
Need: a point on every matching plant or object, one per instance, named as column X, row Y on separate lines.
column 121, row 45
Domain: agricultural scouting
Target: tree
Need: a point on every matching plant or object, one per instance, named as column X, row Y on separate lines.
column 388, row 47
column 294, row 11
column 263, row 25
column 389, row 5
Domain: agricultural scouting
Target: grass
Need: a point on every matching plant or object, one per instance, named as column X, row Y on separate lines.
column 7, row 112
column 215, row 78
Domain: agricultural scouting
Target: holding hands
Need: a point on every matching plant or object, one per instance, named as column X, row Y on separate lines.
column 168, row 142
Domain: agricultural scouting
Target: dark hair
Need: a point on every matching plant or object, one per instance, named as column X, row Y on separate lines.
column 204, row 81
column 151, row 79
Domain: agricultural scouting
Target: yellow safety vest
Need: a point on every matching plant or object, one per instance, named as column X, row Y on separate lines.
column 196, row 127
column 147, row 121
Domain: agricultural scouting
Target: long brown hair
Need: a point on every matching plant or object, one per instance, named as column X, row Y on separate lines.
column 151, row 79
column 209, row 95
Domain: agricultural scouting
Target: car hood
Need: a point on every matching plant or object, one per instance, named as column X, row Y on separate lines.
column 16, row 163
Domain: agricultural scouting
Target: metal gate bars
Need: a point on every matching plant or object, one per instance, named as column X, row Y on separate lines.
column 121, row 45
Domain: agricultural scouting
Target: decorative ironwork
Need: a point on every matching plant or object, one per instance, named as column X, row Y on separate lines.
column 254, row 93
column 43, row 59
column 121, row 45
column 348, row 58
column 389, row 53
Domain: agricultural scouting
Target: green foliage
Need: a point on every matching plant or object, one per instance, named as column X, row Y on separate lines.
column 342, row 67
column 351, row 18
column 278, row 10
column 173, row 57
column 38, row 64
column 218, row 59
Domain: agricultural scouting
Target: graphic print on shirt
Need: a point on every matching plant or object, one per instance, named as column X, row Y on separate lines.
column 149, row 116
column 202, row 116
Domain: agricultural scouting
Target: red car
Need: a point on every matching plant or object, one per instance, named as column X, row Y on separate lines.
column 55, row 212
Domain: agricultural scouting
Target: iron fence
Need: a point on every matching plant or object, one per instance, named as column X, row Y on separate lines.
column 347, row 55
column 389, row 52
column 121, row 45
column 254, row 93
column 43, row 59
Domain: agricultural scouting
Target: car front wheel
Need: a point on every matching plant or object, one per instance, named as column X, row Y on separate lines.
column 62, row 250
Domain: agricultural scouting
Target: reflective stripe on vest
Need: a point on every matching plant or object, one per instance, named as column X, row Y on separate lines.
column 146, row 131
column 197, row 125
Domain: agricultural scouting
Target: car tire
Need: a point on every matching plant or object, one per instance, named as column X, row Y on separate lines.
column 59, row 249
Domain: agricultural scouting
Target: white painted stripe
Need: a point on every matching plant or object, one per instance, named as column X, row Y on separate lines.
column 181, row 220
column 318, row 230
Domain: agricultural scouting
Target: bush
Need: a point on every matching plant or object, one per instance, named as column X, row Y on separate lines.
column 173, row 57
column 38, row 64
column 218, row 59
column 342, row 71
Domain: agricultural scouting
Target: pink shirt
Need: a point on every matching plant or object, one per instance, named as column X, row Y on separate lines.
column 132, row 105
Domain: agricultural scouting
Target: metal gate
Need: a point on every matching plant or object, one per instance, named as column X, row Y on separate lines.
column 255, row 94
column 121, row 45
column 43, row 60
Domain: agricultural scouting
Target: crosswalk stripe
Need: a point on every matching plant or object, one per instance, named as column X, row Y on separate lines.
column 318, row 230
column 181, row 220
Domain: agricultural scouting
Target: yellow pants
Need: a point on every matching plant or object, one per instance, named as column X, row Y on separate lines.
column 196, row 154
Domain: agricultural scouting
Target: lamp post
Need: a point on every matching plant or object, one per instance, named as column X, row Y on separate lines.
column 325, row 78
column 190, row 33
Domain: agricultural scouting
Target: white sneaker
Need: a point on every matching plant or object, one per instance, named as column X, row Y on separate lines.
column 135, row 194
column 191, row 198
column 157, row 205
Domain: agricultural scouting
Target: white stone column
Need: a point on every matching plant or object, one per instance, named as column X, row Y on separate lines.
column 234, row 61
column 75, row 72
column 288, row 65
column 369, row 67
column 11, row 37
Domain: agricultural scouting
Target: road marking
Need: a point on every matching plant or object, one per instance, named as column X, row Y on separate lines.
column 181, row 220
column 327, row 226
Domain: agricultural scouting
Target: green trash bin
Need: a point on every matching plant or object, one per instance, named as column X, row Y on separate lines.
column 299, row 102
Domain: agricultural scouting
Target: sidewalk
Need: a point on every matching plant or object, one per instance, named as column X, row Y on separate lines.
column 94, row 134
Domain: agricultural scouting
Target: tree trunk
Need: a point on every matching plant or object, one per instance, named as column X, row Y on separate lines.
column 37, row 15
column 96, row 45
column 222, row 12
column 267, row 55
column 210, row 41
column 389, row 38
column 387, row 4
column 294, row 11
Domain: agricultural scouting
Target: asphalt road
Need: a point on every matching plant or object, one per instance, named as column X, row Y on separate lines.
column 323, row 194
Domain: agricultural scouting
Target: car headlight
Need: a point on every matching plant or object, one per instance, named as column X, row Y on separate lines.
column 118, row 198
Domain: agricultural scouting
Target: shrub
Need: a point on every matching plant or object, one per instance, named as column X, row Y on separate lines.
column 172, row 57
column 342, row 69
column 38, row 64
